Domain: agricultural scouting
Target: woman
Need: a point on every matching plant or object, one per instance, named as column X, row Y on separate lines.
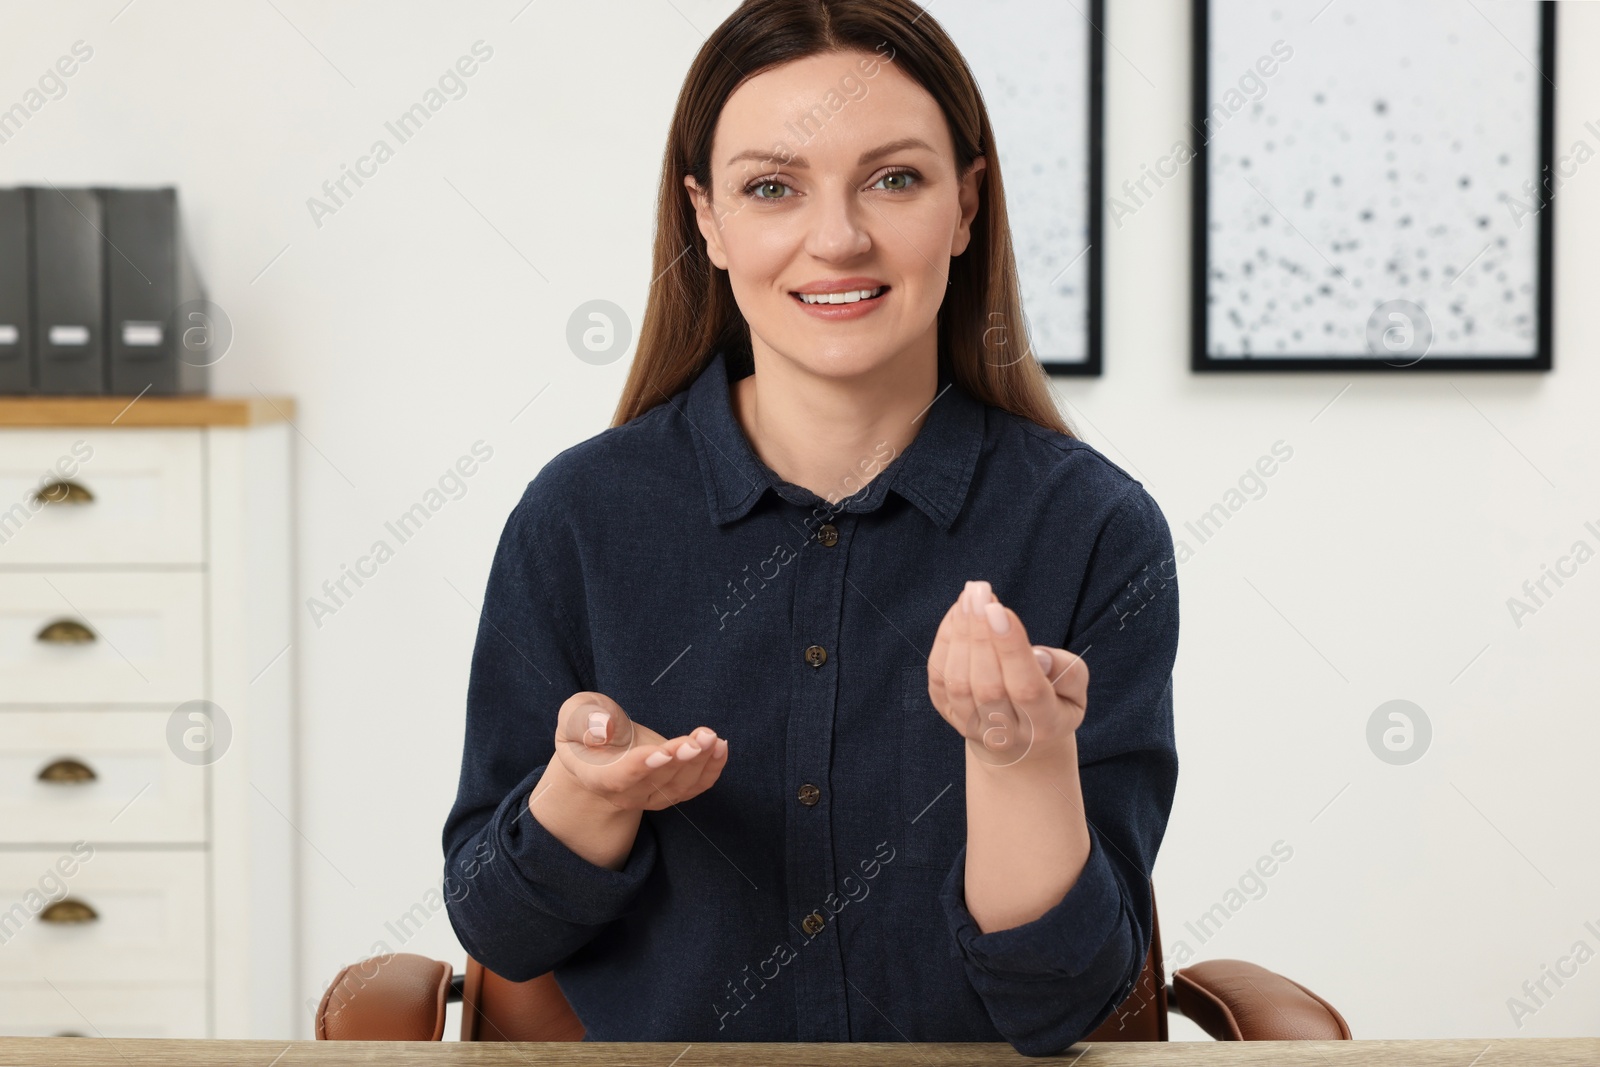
column 859, row 798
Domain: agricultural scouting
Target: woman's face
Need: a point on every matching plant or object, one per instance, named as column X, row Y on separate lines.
column 837, row 173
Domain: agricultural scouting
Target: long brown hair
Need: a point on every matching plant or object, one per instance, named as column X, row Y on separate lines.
column 691, row 312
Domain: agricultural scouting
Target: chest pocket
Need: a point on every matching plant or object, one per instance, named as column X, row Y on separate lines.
column 933, row 778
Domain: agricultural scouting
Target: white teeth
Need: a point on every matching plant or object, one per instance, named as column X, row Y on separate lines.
column 840, row 298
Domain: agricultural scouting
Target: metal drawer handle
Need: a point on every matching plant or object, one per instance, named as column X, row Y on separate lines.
column 62, row 491
column 68, row 770
column 67, row 910
column 65, row 632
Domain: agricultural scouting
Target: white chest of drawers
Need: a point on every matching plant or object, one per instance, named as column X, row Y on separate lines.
column 147, row 840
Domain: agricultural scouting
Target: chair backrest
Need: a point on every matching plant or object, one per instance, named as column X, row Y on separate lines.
column 494, row 1009
column 1143, row 1015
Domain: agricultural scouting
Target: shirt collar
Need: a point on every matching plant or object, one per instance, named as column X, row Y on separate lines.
column 933, row 472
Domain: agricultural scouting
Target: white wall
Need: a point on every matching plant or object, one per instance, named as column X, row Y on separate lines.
column 432, row 307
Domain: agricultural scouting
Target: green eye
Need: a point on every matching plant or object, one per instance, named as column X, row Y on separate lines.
column 906, row 177
column 756, row 190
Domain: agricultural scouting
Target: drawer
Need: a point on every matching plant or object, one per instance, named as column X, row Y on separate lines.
column 142, row 637
column 109, row 776
column 132, row 496
column 148, row 907
column 111, row 1011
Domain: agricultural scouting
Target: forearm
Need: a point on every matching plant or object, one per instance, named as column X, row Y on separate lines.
column 1027, row 838
column 521, row 899
column 589, row 825
column 1037, row 908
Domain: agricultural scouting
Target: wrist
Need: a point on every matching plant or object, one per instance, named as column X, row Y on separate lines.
column 1060, row 758
column 558, row 787
column 586, row 823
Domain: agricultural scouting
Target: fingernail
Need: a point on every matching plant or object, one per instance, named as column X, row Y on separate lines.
column 999, row 621
column 722, row 747
column 688, row 750
column 657, row 759
column 597, row 726
column 1046, row 661
column 982, row 593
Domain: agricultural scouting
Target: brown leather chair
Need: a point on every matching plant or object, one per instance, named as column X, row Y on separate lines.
column 402, row 997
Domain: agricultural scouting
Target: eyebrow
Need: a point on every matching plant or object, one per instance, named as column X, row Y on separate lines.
column 866, row 157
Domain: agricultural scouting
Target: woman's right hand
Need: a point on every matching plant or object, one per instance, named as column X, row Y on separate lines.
column 628, row 764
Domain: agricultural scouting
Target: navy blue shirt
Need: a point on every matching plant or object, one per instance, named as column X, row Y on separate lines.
column 815, row 891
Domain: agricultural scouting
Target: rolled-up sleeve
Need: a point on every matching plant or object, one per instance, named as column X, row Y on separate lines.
column 1050, row 982
column 520, row 900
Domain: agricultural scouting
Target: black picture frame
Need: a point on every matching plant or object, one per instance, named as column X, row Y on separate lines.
column 1201, row 359
column 1092, row 366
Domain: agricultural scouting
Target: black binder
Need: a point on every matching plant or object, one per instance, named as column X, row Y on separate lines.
column 152, row 297
column 16, row 294
column 68, row 338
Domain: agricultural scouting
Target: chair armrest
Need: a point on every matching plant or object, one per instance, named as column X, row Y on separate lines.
column 398, row 997
column 1237, row 1001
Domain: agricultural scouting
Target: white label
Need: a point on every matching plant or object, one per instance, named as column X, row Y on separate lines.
column 69, row 335
column 141, row 334
column 8, row 334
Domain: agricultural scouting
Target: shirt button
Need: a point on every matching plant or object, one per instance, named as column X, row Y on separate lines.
column 812, row 923
column 828, row 534
column 809, row 795
column 816, row 655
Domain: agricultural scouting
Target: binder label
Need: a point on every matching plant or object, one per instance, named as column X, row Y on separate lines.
column 142, row 334
column 69, row 335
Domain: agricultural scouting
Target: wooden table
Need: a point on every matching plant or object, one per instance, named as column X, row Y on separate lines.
column 1488, row 1052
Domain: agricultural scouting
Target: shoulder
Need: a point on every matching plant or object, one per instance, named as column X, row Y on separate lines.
column 613, row 466
column 1116, row 535
column 1073, row 479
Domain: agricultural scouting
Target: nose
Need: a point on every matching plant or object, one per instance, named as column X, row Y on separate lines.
column 837, row 230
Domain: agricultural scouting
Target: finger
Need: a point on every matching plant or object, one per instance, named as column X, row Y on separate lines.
column 983, row 670
column 593, row 720
column 1068, row 675
column 1026, row 684
column 664, row 753
column 937, row 691
column 998, row 728
column 696, row 744
column 710, row 768
column 957, row 668
column 679, row 778
column 681, row 749
column 620, row 775
column 594, row 730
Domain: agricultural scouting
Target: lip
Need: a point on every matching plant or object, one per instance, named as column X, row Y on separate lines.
column 842, row 311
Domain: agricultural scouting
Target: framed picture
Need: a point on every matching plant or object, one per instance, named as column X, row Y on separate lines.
column 1373, row 184
column 1039, row 64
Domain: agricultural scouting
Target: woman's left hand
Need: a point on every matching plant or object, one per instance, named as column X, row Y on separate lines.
column 993, row 686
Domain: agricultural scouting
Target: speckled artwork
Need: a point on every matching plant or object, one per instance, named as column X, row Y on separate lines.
column 1031, row 60
column 1376, row 196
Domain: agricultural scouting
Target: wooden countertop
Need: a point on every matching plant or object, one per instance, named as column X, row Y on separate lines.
column 125, row 411
column 127, row 1052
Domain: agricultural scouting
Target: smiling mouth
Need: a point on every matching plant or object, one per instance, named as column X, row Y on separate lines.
column 853, row 296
